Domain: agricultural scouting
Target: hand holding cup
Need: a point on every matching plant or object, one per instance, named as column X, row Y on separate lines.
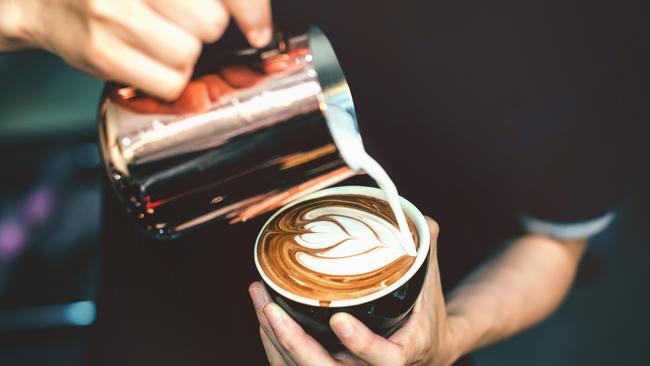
column 428, row 337
column 405, row 322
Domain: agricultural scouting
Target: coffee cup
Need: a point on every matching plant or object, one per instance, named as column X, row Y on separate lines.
column 382, row 311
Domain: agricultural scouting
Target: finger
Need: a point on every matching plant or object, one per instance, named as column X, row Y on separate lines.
column 278, row 348
column 128, row 65
column 253, row 18
column 147, row 105
column 348, row 359
column 241, row 76
column 260, row 298
column 206, row 19
column 194, row 99
column 217, row 87
column 363, row 343
column 300, row 346
column 160, row 38
column 274, row 357
column 277, row 64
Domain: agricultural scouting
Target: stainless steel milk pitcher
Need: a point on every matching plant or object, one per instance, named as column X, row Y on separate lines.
column 250, row 133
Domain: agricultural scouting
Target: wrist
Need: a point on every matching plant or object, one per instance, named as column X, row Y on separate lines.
column 453, row 343
column 18, row 30
column 471, row 328
column 459, row 335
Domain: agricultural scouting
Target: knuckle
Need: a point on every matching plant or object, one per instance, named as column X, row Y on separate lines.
column 189, row 52
column 433, row 225
column 93, row 48
column 176, row 83
column 95, row 54
column 221, row 19
column 12, row 24
column 215, row 26
column 194, row 49
column 171, row 85
column 98, row 9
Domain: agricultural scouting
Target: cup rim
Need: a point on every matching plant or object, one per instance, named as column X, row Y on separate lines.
column 414, row 214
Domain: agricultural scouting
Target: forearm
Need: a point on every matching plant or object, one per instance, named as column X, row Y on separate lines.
column 514, row 290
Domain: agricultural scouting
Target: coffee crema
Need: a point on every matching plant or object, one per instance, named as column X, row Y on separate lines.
column 336, row 247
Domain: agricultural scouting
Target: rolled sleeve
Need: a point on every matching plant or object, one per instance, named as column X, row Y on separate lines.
column 567, row 230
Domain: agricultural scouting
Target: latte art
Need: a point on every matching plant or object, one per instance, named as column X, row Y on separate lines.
column 354, row 241
column 334, row 248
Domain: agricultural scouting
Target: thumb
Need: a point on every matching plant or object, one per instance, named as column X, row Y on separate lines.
column 363, row 343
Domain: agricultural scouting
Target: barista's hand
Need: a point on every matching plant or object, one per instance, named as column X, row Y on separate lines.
column 428, row 338
column 150, row 44
column 198, row 96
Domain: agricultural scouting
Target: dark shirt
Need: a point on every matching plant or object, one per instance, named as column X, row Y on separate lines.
column 479, row 111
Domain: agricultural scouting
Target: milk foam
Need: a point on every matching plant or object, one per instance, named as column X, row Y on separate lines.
column 334, row 247
column 357, row 242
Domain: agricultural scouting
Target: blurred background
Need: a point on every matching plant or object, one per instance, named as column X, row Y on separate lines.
column 50, row 215
column 50, row 200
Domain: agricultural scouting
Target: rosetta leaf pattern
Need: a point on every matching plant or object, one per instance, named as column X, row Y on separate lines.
column 348, row 241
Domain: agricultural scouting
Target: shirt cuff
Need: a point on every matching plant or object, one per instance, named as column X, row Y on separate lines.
column 566, row 230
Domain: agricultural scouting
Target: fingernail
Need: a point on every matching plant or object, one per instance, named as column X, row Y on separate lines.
column 342, row 327
column 260, row 37
column 258, row 296
column 273, row 314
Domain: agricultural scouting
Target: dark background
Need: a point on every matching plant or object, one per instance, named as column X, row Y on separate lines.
column 50, row 217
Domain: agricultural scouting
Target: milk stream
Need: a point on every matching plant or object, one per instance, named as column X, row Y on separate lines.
column 377, row 172
column 346, row 135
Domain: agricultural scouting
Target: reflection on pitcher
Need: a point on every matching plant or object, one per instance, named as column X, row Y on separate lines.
column 245, row 137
